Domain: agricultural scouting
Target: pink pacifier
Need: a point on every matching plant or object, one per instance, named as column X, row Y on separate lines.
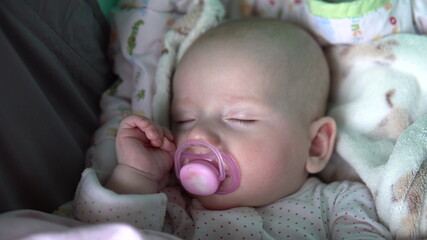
column 207, row 173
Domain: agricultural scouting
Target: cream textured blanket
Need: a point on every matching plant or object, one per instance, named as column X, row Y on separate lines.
column 379, row 99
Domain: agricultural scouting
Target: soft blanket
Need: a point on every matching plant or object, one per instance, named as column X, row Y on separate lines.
column 379, row 99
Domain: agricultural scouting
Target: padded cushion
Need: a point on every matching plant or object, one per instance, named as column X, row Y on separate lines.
column 53, row 69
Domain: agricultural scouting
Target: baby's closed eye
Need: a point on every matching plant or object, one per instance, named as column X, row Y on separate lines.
column 242, row 121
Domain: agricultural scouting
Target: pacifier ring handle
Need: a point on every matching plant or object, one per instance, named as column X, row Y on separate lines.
column 200, row 178
column 205, row 174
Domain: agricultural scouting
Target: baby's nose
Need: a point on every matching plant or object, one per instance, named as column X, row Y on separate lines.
column 206, row 132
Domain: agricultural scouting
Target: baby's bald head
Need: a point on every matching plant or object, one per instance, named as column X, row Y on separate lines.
column 290, row 59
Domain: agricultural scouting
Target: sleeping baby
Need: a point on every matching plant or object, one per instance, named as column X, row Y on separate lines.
column 248, row 130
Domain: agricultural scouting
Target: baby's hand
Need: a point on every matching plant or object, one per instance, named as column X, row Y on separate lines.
column 145, row 156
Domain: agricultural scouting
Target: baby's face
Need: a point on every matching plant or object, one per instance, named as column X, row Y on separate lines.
column 236, row 103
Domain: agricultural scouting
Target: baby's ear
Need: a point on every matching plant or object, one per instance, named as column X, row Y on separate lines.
column 322, row 133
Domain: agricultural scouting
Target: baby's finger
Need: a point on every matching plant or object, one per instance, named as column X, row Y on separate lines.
column 156, row 135
column 163, row 133
column 153, row 133
column 133, row 121
column 168, row 145
column 168, row 134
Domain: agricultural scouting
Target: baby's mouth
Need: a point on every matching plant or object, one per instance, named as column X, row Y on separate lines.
column 207, row 173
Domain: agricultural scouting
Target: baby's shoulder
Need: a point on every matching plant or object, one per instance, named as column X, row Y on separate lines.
column 317, row 189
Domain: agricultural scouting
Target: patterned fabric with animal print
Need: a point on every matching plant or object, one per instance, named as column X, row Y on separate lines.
column 379, row 99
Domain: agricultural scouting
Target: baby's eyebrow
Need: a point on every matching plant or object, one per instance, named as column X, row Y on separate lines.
column 181, row 101
column 243, row 99
column 249, row 103
column 180, row 105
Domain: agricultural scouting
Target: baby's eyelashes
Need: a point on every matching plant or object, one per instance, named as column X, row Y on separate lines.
column 180, row 122
column 241, row 121
column 184, row 123
column 236, row 120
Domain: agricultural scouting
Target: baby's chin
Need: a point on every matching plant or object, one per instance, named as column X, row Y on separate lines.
column 228, row 201
column 218, row 202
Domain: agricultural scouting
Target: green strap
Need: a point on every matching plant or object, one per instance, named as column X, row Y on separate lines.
column 106, row 6
column 348, row 9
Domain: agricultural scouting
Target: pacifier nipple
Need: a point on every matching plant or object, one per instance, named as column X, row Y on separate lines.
column 207, row 173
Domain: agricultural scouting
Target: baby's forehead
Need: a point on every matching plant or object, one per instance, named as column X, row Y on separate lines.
column 266, row 40
column 249, row 40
